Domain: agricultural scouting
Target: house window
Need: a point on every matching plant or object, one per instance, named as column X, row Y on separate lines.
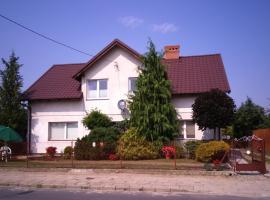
column 63, row 130
column 97, row 89
column 132, row 84
column 190, row 129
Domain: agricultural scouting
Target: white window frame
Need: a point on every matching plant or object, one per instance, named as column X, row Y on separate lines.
column 129, row 84
column 185, row 130
column 97, row 97
column 65, row 131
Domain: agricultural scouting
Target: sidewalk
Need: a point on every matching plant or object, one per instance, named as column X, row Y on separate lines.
column 139, row 180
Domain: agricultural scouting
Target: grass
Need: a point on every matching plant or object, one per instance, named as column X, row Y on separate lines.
column 107, row 164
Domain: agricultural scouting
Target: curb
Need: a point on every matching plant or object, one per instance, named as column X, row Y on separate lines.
column 128, row 171
column 108, row 189
column 152, row 171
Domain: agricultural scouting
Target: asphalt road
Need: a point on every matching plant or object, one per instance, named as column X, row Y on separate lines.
column 42, row 194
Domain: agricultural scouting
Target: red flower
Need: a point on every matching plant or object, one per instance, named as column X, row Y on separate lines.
column 113, row 157
column 51, row 151
column 168, row 151
column 216, row 162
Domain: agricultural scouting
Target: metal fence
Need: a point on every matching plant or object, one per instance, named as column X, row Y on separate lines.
column 19, row 158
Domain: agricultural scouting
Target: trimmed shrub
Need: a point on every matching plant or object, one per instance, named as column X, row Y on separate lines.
column 105, row 139
column 121, row 126
column 68, row 152
column 96, row 119
column 191, row 147
column 84, row 150
column 51, row 151
column 214, row 150
column 106, row 135
column 132, row 146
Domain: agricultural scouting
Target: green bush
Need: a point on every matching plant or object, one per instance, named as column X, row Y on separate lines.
column 106, row 135
column 180, row 152
column 132, row 146
column 105, row 139
column 84, row 150
column 191, row 147
column 214, row 150
column 96, row 119
column 121, row 126
column 68, row 152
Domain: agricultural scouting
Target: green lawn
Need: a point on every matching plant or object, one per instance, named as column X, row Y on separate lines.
column 107, row 164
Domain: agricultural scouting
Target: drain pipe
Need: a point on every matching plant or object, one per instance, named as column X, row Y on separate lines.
column 29, row 120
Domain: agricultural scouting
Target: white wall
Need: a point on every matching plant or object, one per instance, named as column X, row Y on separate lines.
column 57, row 111
column 183, row 106
column 117, row 81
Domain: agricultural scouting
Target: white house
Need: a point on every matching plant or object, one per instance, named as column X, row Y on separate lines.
column 62, row 96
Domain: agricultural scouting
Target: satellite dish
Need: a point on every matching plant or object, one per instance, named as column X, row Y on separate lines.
column 121, row 104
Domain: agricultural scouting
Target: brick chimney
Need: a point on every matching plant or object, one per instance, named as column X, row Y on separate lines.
column 171, row 52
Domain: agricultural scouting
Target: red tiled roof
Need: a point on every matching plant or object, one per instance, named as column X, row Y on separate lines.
column 188, row 75
column 56, row 83
column 196, row 74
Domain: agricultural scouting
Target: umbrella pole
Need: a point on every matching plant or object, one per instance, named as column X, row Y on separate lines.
column 6, row 151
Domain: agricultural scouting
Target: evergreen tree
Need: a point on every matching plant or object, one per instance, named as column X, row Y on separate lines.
column 152, row 112
column 248, row 117
column 12, row 113
column 214, row 110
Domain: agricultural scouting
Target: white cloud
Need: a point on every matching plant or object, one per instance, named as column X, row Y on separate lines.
column 131, row 21
column 165, row 28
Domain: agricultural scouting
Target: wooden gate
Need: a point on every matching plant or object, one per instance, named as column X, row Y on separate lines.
column 248, row 154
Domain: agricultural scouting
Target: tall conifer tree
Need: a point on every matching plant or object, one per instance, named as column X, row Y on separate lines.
column 12, row 113
column 152, row 112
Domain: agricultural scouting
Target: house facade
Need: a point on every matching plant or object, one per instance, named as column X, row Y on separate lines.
column 62, row 96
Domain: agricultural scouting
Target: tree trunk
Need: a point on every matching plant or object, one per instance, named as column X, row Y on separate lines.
column 218, row 134
column 215, row 137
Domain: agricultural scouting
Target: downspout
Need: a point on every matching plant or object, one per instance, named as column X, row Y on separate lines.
column 29, row 120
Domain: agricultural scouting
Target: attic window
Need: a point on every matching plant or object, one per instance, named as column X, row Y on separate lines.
column 97, row 89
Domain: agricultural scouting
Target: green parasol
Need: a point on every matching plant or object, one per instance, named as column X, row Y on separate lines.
column 7, row 134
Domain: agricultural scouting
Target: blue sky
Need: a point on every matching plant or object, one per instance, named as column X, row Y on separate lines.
column 238, row 29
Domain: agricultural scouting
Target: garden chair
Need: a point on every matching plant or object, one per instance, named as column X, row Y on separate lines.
column 5, row 153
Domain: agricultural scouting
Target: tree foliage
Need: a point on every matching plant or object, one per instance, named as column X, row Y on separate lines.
column 248, row 117
column 12, row 112
column 151, row 110
column 132, row 146
column 213, row 109
column 96, row 119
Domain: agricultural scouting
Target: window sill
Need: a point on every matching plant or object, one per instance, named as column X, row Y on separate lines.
column 94, row 99
column 62, row 140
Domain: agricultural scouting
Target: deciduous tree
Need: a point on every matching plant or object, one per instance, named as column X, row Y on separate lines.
column 214, row 110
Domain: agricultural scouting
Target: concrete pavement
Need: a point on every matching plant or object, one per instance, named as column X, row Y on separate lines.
column 139, row 180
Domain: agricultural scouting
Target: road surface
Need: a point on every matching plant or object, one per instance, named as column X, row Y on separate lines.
column 44, row 194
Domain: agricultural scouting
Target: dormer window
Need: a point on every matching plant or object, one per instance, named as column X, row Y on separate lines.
column 97, row 89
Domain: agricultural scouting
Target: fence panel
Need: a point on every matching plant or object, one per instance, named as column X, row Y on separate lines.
column 264, row 134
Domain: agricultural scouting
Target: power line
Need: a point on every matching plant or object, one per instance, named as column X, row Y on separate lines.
column 45, row 37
